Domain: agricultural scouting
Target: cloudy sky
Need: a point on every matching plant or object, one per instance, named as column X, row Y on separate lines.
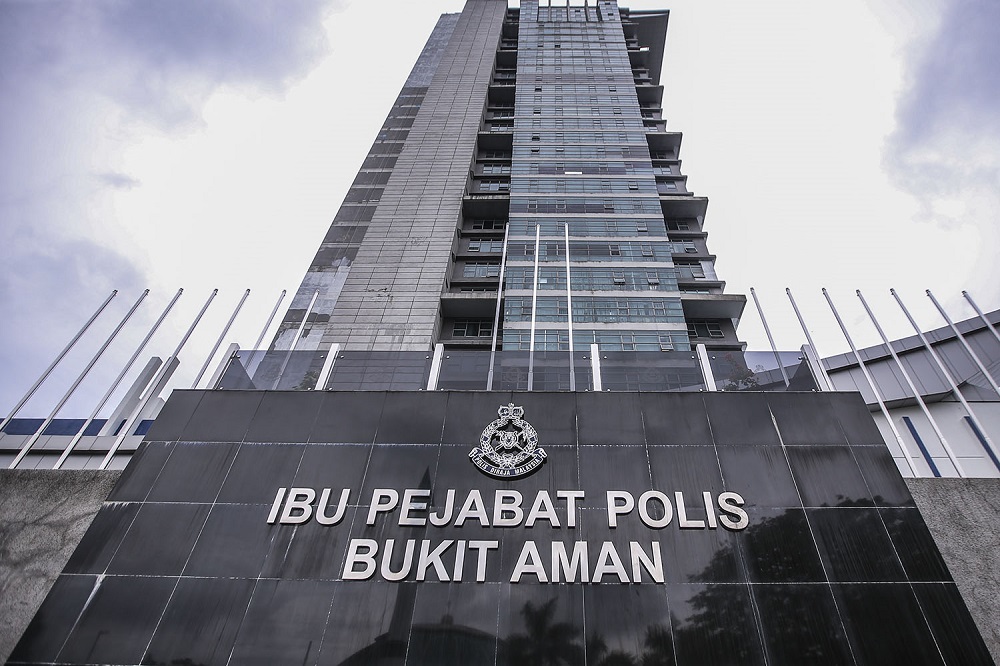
column 184, row 143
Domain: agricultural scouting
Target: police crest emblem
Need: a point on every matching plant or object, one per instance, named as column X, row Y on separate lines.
column 508, row 447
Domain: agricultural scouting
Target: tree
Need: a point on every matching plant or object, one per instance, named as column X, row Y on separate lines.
column 545, row 643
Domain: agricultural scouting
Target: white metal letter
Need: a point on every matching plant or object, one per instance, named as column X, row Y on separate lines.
column 299, row 499
column 529, row 562
column 383, row 499
column 366, row 559
column 615, row 509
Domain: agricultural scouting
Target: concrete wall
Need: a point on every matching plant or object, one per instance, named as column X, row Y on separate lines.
column 962, row 517
column 392, row 295
column 43, row 515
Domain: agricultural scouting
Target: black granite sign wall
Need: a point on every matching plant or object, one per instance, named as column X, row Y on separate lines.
column 191, row 562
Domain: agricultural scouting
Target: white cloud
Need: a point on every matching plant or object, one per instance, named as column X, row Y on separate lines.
column 82, row 85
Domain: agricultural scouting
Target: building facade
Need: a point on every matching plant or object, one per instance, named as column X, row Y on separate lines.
column 949, row 425
column 545, row 213
column 488, row 430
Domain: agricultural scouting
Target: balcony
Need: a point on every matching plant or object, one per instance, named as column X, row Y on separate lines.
column 683, row 207
column 713, row 306
column 458, row 304
column 664, row 143
column 671, row 187
column 484, row 206
column 649, row 94
column 498, row 126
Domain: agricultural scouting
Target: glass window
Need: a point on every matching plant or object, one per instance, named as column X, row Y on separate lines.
column 489, row 224
column 491, row 185
column 496, row 168
column 689, row 270
column 477, row 269
column 486, row 245
column 698, row 328
column 472, row 328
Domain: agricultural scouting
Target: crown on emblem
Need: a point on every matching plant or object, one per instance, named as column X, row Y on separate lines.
column 509, row 411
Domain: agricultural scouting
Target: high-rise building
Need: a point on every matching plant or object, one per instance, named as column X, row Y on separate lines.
column 489, row 430
column 524, row 194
